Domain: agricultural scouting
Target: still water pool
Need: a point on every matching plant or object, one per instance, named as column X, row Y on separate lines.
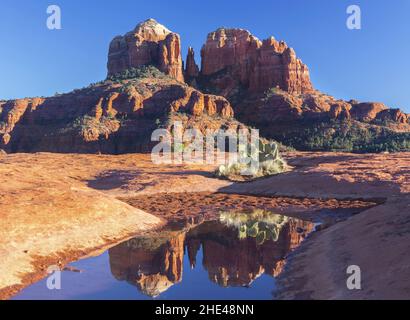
column 237, row 256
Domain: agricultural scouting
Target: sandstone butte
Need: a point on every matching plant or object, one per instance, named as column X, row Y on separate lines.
column 149, row 43
column 256, row 65
column 115, row 116
column 261, row 83
column 56, row 208
column 270, row 88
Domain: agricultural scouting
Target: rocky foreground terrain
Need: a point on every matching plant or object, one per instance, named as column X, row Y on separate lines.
column 259, row 83
column 56, row 208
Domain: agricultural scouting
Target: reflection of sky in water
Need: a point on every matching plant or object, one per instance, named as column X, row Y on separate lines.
column 220, row 257
column 96, row 282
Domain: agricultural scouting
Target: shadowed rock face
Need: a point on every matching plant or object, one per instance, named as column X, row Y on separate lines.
column 269, row 88
column 154, row 264
column 281, row 105
column 117, row 115
column 191, row 68
column 107, row 117
column 266, row 85
column 150, row 43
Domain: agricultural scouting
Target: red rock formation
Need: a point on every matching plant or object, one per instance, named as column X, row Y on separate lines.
column 226, row 48
column 239, row 263
column 278, row 66
column 170, row 59
column 149, row 44
column 340, row 110
column 367, row 111
column 193, row 246
column 106, row 118
column 394, row 115
column 270, row 88
column 191, row 68
column 250, row 63
column 278, row 112
column 151, row 269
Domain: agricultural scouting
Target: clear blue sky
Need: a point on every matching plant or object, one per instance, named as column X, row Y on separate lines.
column 372, row 64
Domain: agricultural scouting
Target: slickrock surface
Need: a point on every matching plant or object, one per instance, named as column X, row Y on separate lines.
column 56, row 208
column 197, row 207
column 377, row 240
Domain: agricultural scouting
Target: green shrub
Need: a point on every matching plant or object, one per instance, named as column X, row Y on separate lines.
column 272, row 92
column 347, row 136
column 270, row 162
column 259, row 224
column 87, row 123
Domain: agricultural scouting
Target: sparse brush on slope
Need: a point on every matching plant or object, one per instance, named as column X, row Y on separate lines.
column 147, row 71
column 91, row 128
column 348, row 136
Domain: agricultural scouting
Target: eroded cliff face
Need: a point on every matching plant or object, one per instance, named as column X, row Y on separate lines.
column 269, row 88
column 109, row 117
column 263, row 83
column 234, row 57
column 150, row 43
column 281, row 105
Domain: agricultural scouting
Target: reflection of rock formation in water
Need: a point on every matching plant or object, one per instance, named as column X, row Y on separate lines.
column 154, row 264
column 151, row 264
column 193, row 246
column 230, row 262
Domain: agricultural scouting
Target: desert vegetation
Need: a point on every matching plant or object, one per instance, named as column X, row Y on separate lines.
column 90, row 127
column 348, row 136
column 259, row 224
column 269, row 159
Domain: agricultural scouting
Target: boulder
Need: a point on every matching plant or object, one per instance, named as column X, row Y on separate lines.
column 367, row 111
